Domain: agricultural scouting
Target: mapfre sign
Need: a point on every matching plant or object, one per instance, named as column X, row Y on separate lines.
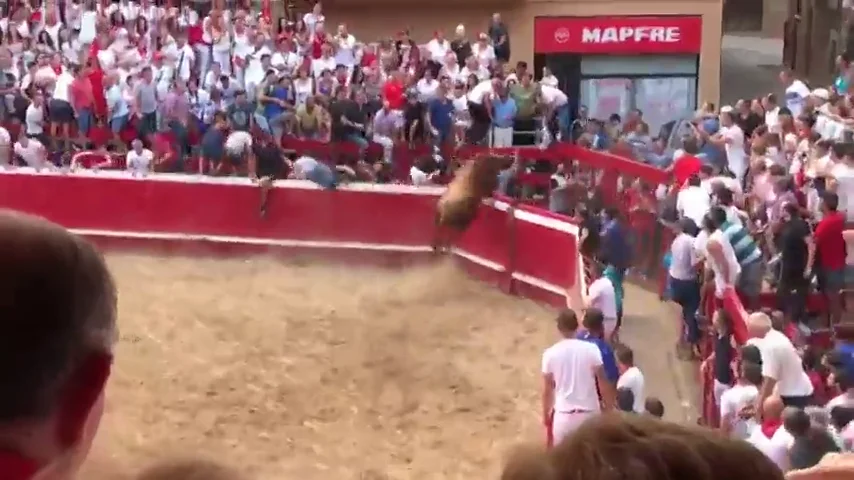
column 610, row 35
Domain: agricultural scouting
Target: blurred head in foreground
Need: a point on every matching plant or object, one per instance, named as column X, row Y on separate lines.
column 637, row 447
column 188, row 470
column 57, row 329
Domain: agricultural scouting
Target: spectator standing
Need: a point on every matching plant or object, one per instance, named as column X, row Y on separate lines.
column 145, row 95
column 831, row 252
column 630, row 377
column 35, row 117
column 684, row 284
column 32, row 152
column 83, row 101
column 460, row 45
column 601, row 295
column 593, row 325
column 692, row 201
column 139, row 160
column 571, row 370
column 731, row 138
column 796, row 92
column 500, row 37
column 615, row 248
column 782, row 369
column 503, row 117
column 720, row 255
column 797, row 254
column 747, row 254
column 741, row 396
column 811, row 442
column 440, row 118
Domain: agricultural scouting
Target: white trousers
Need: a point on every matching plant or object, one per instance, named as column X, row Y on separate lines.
column 566, row 423
column 719, row 390
column 502, row 137
column 223, row 58
column 388, row 146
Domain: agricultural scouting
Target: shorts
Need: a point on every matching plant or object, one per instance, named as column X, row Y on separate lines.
column 60, row 111
column 85, row 119
column 830, row 281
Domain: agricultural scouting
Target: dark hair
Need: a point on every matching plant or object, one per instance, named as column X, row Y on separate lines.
column 751, row 354
column 567, row 320
column 694, row 180
column 796, row 421
column 718, row 216
column 654, row 407
column 594, row 320
column 752, row 372
column 831, row 200
column 43, row 342
column 725, row 196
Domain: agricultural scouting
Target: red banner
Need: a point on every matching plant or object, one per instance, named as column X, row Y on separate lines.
column 618, row 35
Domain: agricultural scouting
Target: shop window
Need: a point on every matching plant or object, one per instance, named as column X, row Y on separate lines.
column 661, row 99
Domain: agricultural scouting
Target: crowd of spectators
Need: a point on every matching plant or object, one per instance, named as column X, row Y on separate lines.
column 758, row 203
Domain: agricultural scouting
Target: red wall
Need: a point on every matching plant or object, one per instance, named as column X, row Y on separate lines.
column 523, row 250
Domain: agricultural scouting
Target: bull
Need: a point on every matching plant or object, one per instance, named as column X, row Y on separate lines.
column 457, row 208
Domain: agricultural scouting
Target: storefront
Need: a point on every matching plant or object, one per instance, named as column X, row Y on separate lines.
column 618, row 63
column 671, row 29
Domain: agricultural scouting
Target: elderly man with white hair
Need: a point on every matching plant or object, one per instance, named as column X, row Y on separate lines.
column 782, row 369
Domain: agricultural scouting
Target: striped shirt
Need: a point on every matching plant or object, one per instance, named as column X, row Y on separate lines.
column 745, row 247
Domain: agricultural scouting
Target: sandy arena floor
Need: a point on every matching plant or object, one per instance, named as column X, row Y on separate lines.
column 316, row 372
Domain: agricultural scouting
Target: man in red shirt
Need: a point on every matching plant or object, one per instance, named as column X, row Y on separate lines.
column 688, row 164
column 393, row 91
column 55, row 355
column 82, row 99
column 830, row 255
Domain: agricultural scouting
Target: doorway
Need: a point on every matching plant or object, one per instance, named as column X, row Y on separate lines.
column 743, row 15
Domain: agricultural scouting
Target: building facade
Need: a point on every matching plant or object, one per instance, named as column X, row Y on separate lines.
column 624, row 52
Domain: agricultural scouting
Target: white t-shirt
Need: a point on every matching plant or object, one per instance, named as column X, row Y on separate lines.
column 844, row 176
column 683, row 258
column 88, row 26
column 775, row 448
column 603, row 297
column 35, row 120
column 729, row 257
column 632, row 379
column 418, row 177
column 796, row 94
column 32, row 154
column 772, row 117
column 426, row 90
column 732, row 402
column 734, row 148
column 780, row 361
column 311, row 20
column 573, row 364
column 438, row 49
column 694, row 203
column 480, row 91
column 553, row 96
column 139, row 162
column 238, row 142
column 60, row 88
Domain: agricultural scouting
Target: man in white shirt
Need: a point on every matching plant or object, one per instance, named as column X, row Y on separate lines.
column 782, row 369
column 739, row 397
column 796, row 92
column 557, row 107
column 33, row 153
column 731, row 138
column 438, row 47
column 692, row 201
column 479, row 99
column 571, row 369
column 139, row 159
column 602, row 295
column 34, row 118
column 630, row 376
column 772, row 110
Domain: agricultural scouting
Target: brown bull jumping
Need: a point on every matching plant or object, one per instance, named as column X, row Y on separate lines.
column 457, row 208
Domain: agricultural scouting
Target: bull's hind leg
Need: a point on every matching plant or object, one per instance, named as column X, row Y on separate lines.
column 439, row 234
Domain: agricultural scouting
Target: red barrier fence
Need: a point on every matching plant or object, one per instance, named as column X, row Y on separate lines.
column 521, row 249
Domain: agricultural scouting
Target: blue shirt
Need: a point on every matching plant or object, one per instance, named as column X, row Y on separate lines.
column 609, row 362
column 615, row 245
column 273, row 109
column 441, row 114
column 846, row 354
column 503, row 112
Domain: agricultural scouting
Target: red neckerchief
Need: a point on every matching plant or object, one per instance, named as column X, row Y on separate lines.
column 769, row 427
column 16, row 467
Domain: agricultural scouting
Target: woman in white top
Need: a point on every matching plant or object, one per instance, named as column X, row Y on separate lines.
column 88, row 25
column 483, row 51
column 303, row 86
